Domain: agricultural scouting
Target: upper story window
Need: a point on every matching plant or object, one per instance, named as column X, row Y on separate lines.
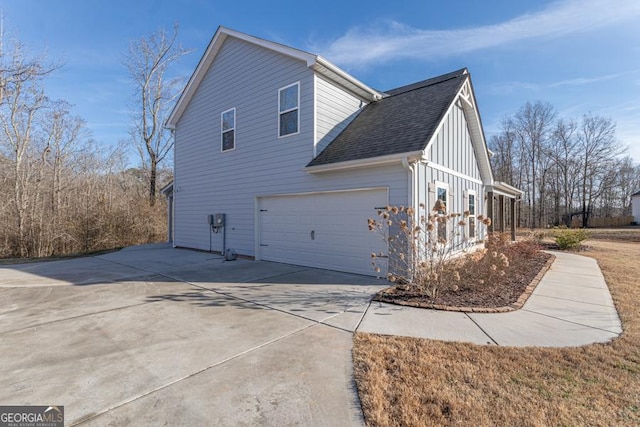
column 228, row 129
column 289, row 110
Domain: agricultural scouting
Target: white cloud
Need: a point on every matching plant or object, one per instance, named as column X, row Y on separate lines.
column 361, row 46
column 580, row 81
column 517, row 86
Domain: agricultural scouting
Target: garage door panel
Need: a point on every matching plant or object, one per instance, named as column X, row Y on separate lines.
column 341, row 239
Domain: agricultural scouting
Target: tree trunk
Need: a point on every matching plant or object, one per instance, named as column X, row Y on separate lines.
column 152, row 182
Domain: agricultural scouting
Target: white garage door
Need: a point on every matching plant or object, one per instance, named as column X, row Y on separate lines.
column 323, row 230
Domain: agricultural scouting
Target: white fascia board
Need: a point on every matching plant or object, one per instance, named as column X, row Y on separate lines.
column 167, row 188
column 209, row 55
column 504, row 189
column 511, row 188
column 196, row 77
column 470, row 109
column 315, row 62
column 502, row 193
column 361, row 163
column 477, row 133
column 337, row 74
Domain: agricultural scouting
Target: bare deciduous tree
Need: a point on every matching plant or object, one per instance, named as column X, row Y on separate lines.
column 23, row 98
column 565, row 167
column 599, row 149
column 61, row 192
column 532, row 125
column 148, row 61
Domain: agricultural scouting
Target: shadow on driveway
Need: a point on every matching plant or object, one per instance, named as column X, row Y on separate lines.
column 159, row 335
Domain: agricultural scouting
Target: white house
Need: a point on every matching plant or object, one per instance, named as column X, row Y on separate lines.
column 635, row 207
column 297, row 154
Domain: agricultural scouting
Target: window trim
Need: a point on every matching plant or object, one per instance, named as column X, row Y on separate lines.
column 467, row 205
column 223, row 130
column 297, row 108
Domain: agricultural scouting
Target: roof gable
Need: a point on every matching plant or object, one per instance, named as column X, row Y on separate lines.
column 404, row 124
column 315, row 62
column 404, row 121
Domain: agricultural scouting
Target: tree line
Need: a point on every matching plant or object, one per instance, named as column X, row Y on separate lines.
column 566, row 167
column 61, row 191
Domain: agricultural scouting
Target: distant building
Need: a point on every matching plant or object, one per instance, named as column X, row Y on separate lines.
column 635, row 207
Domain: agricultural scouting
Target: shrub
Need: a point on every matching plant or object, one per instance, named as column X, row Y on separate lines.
column 420, row 250
column 570, row 238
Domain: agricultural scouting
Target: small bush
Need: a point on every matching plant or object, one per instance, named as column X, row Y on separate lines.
column 570, row 238
column 421, row 250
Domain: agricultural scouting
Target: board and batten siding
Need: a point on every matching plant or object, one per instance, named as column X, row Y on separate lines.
column 207, row 181
column 335, row 109
column 452, row 149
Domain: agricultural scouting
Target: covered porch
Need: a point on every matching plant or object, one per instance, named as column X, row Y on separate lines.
column 502, row 203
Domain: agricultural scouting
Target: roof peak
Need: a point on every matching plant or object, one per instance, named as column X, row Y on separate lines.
column 428, row 82
column 313, row 61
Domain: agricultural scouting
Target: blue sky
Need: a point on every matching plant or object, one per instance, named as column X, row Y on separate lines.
column 580, row 55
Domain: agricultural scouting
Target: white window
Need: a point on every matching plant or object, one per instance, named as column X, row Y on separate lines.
column 470, row 205
column 289, row 110
column 228, row 129
column 442, row 194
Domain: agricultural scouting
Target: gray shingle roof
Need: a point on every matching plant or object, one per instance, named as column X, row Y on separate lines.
column 402, row 122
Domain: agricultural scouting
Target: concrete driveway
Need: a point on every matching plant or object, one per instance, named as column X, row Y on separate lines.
column 152, row 335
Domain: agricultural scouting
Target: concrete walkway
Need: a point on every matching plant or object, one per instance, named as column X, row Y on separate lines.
column 571, row 306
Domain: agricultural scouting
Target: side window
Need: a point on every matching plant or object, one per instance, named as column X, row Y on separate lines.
column 289, row 110
column 442, row 195
column 471, row 209
column 228, row 129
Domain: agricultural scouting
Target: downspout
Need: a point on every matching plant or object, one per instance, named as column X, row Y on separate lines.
column 411, row 196
column 411, row 187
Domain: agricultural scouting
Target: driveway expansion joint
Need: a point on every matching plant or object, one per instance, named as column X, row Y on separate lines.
column 482, row 329
column 570, row 321
column 193, row 374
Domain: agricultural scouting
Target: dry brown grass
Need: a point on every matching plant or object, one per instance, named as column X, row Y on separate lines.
column 628, row 234
column 617, row 234
column 406, row 381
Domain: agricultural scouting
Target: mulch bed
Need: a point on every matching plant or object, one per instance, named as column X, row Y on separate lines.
column 508, row 294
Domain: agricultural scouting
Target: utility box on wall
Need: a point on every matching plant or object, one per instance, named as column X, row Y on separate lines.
column 216, row 220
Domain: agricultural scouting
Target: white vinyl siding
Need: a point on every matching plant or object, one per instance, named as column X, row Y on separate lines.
column 209, row 181
column 335, row 109
column 289, row 110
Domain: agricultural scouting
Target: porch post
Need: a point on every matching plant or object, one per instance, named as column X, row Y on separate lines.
column 501, row 225
column 513, row 219
column 490, row 210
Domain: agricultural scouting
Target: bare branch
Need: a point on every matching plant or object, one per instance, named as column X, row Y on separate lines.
column 148, row 61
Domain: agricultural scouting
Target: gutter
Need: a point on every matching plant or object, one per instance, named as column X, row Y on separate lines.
column 374, row 95
column 361, row 163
